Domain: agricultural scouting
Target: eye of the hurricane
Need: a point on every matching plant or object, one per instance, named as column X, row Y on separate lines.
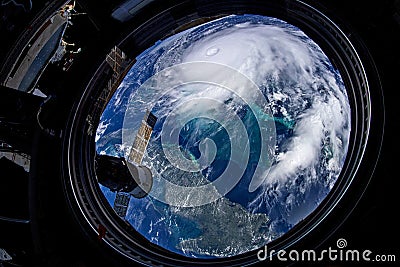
column 222, row 137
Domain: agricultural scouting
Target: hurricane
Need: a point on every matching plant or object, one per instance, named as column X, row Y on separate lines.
column 252, row 134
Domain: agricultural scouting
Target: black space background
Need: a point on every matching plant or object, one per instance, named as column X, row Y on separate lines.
column 374, row 222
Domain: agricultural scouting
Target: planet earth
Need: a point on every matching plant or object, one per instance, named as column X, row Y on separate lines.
column 283, row 134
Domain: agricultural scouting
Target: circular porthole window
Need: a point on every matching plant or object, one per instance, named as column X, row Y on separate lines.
column 234, row 131
column 276, row 116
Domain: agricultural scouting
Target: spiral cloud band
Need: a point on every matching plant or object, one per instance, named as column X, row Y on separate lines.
column 210, row 91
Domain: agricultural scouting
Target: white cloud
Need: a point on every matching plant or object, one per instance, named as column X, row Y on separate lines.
column 100, row 130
